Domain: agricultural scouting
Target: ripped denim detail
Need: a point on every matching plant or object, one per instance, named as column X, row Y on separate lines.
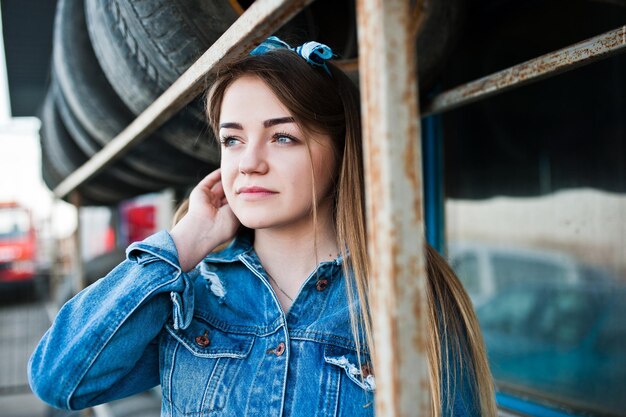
column 214, row 283
column 353, row 372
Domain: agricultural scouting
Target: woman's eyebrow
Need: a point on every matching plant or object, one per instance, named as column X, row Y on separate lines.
column 267, row 123
column 231, row 126
column 278, row 121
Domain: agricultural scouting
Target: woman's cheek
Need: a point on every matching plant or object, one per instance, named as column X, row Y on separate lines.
column 228, row 176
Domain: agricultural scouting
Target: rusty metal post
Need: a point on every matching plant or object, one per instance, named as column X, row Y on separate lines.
column 393, row 175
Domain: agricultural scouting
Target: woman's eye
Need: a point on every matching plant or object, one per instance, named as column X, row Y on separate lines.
column 228, row 141
column 283, row 139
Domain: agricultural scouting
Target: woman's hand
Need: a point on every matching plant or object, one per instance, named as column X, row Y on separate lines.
column 208, row 223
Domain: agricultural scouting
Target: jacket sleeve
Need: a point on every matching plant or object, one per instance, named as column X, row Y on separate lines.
column 103, row 344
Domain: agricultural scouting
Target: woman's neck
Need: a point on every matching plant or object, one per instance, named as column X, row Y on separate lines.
column 289, row 255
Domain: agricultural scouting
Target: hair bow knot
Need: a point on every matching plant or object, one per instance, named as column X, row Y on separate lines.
column 314, row 53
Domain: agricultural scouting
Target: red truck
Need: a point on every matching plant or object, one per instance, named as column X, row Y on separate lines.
column 17, row 246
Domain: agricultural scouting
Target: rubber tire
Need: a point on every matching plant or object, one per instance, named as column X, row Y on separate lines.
column 76, row 156
column 89, row 147
column 143, row 47
column 137, row 32
column 99, row 110
column 52, row 178
column 437, row 39
column 61, row 157
column 334, row 23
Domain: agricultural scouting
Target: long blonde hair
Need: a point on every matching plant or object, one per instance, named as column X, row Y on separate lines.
column 330, row 105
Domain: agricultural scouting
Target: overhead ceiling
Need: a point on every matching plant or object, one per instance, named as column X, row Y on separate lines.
column 27, row 30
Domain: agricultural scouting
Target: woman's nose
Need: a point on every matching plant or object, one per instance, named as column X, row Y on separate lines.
column 253, row 161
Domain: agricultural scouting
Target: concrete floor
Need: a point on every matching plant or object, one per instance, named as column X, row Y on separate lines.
column 23, row 321
column 22, row 405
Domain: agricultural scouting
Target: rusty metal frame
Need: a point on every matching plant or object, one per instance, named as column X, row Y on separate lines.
column 554, row 63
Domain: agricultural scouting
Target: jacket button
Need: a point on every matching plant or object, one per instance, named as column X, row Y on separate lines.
column 366, row 371
column 203, row 340
column 280, row 349
column 321, row 284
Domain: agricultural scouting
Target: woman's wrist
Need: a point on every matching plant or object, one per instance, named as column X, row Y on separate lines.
column 193, row 242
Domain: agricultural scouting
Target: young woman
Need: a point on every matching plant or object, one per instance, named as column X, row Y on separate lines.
column 276, row 322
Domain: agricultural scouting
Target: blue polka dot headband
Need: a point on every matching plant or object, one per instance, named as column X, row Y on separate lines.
column 315, row 53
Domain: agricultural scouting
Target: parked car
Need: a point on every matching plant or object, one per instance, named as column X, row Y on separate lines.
column 564, row 341
column 487, row 269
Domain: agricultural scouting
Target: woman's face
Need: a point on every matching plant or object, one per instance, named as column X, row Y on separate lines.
column 267, row 170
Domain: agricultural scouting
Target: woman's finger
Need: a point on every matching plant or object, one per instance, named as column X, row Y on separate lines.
column 218, row 190
column 210, row 180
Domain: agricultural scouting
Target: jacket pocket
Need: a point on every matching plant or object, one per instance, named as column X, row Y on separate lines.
column 200, row 365
column 357, row 383
column 205, row 341
column 348, row 361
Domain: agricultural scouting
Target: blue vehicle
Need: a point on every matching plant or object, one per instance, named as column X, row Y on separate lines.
column 558, row 342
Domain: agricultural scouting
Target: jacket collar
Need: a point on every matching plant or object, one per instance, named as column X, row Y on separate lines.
column 241, row 244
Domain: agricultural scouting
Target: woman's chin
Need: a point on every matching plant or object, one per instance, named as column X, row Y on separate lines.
column 255, row 223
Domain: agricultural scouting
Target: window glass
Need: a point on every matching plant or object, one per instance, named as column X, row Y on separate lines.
column 509, row 313
column 512, row 269
column 535, row 183
column 14, row 222
column 466, row 267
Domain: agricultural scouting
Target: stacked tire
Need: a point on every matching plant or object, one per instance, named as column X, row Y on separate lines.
column 113, row 58
column 104, row 73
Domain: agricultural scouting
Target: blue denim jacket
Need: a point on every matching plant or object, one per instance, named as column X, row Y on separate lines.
column 216, row 339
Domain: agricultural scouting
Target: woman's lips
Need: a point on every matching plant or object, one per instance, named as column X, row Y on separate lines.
column 255, row 192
